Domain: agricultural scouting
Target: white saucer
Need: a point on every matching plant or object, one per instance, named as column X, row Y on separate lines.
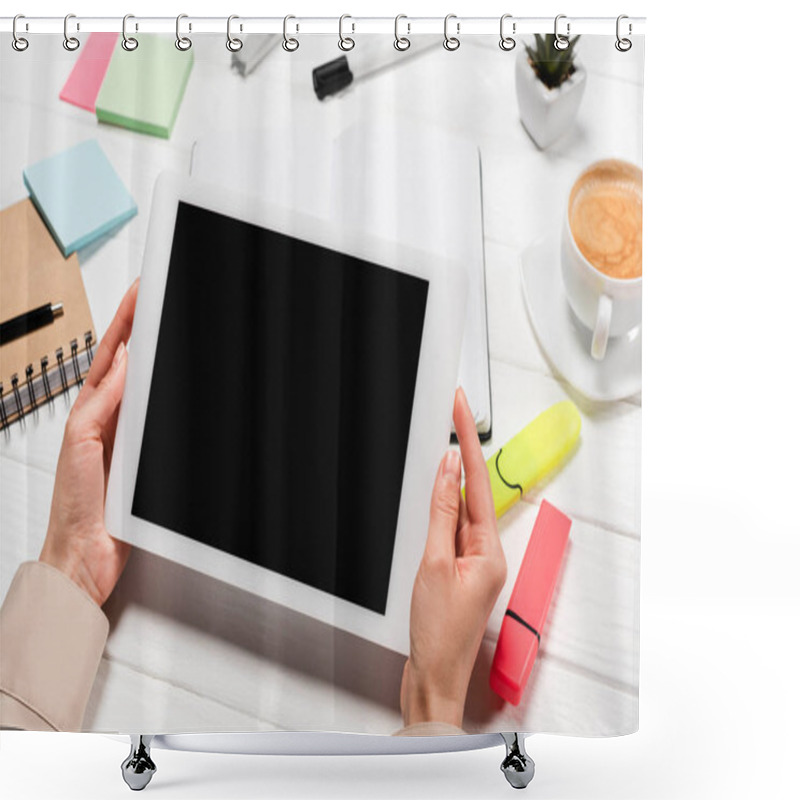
column 566, row 341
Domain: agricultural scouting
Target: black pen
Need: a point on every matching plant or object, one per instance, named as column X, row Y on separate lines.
column 29, row 321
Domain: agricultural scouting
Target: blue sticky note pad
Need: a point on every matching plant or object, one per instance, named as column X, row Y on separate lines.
column 79, row 195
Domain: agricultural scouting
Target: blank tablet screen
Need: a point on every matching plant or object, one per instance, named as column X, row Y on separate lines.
column 280, row 405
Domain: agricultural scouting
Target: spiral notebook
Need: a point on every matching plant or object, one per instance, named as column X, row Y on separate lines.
column 51, row 360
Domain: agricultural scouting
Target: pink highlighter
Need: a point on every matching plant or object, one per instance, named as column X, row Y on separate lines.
column 520, row 634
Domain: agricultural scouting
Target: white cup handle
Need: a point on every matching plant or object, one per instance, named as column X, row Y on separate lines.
column 602, row 325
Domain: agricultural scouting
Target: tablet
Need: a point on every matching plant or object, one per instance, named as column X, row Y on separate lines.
column 288, row 400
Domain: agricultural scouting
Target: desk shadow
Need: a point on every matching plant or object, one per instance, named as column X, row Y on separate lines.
column 259, row 626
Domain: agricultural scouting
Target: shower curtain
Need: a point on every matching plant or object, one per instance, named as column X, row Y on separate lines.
column 270, row 533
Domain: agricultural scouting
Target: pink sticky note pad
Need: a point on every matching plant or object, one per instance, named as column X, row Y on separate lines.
column 520, row 633
column 86, row 78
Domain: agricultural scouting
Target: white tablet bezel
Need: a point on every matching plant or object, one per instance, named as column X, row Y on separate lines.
column 430, row 419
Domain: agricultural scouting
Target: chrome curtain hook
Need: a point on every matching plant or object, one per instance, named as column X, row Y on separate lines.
column 623, row 44
column 233, row 44
column 346, row 43
column 290, row 44
column 451, row 42
column 507, row 42
column 182, row 42
column 19, row 43
column 401, row 42
column 71, row 43
column 128, row 43
column 561, row 42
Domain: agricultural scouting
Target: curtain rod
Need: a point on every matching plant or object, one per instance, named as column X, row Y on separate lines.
column 461, row 26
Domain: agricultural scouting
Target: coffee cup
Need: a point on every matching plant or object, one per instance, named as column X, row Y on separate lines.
column 601, row 250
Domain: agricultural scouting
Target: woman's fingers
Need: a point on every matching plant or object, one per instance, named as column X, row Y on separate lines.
column 118, row 331
column 478, row 492
column 103, row 400
column 445, row 501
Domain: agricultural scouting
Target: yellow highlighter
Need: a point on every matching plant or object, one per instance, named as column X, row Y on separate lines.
column 536, row 451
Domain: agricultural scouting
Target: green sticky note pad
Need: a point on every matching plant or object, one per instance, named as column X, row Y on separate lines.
column 143, row 88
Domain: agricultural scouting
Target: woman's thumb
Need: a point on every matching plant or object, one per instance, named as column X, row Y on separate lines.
column 444, row 506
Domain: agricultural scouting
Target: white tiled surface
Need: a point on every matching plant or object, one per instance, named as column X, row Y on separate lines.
column 186, row 653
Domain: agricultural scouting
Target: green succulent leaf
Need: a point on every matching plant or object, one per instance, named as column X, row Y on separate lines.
column 552, row 66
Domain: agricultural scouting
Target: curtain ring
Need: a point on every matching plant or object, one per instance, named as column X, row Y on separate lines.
column 451, row 42
column 346, row 43
column 623, row 45
column 507, row 42
column 233, row 44
column 401, row 43
column 71, row 43
column 561, row 42
column 290, row 44
column 182, row 42
column 128, row 42
column 18, row 42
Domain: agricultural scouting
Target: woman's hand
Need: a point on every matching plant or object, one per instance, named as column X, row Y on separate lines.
column 460, row 576
column 77, row 542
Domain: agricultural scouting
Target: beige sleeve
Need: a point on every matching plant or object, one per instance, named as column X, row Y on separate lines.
column 52, row 636
column 430, row 729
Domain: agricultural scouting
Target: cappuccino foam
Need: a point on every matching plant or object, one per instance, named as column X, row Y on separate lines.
column 605, row 217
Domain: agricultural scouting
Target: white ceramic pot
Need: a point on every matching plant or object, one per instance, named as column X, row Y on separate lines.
column 547, row 113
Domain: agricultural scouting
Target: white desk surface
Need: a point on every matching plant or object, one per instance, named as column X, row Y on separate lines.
column 184, row 653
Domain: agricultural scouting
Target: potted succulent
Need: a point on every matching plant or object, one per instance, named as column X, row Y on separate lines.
column 550, row 86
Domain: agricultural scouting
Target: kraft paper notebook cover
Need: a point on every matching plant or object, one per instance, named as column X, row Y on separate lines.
column 143, row 88
column 33, row 272
column 84, row 82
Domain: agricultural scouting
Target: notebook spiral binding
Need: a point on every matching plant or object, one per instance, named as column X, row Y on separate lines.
column 39, row 389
